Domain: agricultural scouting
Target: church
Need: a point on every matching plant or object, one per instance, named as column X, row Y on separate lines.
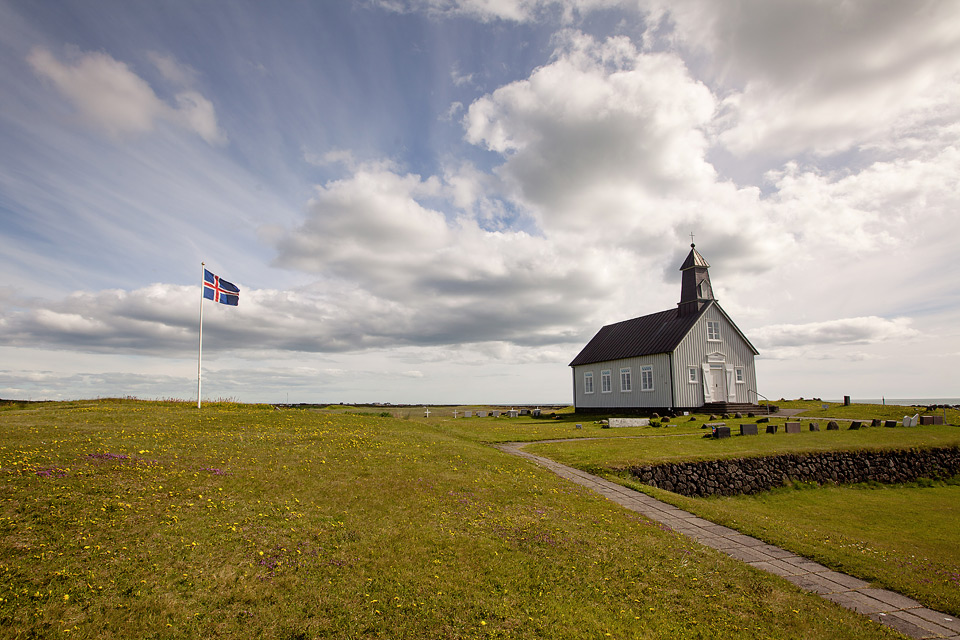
column 690, row 358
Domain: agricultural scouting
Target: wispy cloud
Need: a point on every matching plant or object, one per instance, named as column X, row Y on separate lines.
column 110, row 96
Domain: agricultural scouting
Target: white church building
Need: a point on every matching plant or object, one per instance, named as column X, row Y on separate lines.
column 691, row 357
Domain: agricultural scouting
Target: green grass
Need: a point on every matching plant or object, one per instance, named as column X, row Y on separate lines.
column 856, row 411
column 153, row 520
column 902, row 538
column 624, row 452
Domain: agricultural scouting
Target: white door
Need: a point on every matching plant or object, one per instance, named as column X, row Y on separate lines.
column 718, row 388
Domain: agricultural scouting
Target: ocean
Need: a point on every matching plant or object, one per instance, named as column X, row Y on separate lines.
column 907, row 402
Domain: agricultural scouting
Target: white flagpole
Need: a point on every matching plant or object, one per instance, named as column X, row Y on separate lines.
column 200, row 345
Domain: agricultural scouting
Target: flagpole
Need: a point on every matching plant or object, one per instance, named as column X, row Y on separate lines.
column 200, row 345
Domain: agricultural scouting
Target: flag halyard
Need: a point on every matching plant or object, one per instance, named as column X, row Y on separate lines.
column 219, row 290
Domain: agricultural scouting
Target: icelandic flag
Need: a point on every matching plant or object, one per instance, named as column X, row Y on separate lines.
column 219, row 290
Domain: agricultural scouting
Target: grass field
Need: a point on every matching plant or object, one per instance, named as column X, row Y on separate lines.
column 125, row 519
column 904, row 538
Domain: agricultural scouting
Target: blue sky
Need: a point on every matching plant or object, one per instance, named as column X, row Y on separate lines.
column 443, row 200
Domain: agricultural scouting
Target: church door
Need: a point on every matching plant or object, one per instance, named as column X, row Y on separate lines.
column 718, row 388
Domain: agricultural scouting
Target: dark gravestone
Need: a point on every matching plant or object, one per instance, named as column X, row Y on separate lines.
column 748, row 429
column 890, row 423
column 792, row 427
column 833, row 426
column 772, row 428
column 876, row 422
column 814, row 426
column 926, row 419
column 721, row 432
column 937, row 419
column 854, row 425
column 761, row 420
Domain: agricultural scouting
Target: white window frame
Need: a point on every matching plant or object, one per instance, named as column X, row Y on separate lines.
column 606, row 383
column 739, row 375
column 626, row 380
column 692, row 376
column 588, row 382
column 646, row 377
column 713, row 330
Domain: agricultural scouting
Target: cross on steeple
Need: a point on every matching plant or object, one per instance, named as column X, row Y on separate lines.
column 691, row 239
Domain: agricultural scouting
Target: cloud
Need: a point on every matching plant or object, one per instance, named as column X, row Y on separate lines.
column 877, row 208
column 507, row 10
column 821, row 76
column 621, row 161
column 845, row 331
column 110, row 96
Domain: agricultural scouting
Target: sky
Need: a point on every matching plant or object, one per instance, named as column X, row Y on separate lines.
column 442, row 201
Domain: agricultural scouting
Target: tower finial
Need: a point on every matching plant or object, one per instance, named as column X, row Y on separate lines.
column 691, row 239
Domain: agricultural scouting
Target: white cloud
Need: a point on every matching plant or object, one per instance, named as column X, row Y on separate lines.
column 112, row 97
column 629, row 133
column 621, row 161
column 823, row 76
column 877, row 208
column 845, row 331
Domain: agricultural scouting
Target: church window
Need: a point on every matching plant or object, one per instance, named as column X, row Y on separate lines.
column 646, row 378
column 713, row 330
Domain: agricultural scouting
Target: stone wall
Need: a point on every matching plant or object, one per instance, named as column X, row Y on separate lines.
column 751, row 475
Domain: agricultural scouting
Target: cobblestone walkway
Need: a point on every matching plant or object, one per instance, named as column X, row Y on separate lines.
column 886, row 607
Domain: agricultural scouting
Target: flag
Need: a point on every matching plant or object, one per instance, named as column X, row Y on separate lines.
column 219, row 290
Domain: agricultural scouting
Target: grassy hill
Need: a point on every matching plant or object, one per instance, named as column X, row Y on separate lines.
column 123, row 519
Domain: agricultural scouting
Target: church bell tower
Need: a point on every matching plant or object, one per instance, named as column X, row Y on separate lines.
column 695, row 289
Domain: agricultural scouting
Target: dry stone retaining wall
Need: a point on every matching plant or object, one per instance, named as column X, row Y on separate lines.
column 751, row 475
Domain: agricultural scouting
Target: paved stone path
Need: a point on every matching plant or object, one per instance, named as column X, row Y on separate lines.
column 886, row 607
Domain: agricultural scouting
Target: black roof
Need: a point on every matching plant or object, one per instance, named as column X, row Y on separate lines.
column 656, row 333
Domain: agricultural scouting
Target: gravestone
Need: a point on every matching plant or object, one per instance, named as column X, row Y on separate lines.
column 579, row 425
column 926, row 419
column 524, row 412
column 721, row 432
column 911, row 421
column 512, row 413
column 481, row 414
column 772, row 428
column 854, row 425
column 748, row 429
column 937, row 419
column 495, row 414
column 833, row 426
column 814, row 426
column 890, row 423
column 876, row 422
column 791, row 427
column 629, row 422
column 468, row 414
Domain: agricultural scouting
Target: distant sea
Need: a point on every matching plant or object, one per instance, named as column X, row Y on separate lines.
column 907, row 402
